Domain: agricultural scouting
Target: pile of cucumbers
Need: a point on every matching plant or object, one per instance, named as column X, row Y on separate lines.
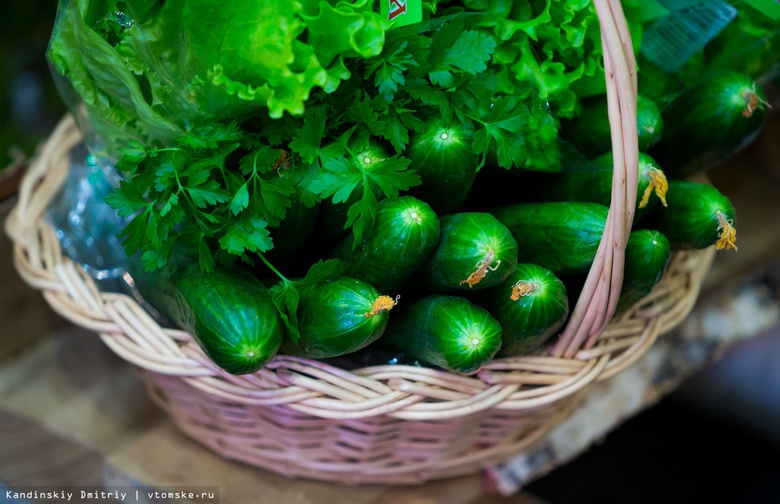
column 471, row 266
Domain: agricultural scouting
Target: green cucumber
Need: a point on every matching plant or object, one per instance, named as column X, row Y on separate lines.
column 229, row 313
column 560, row 236
column 596, row 185
column 647, row 255
column 337, row 317
column 476, row 251
column 591, row 134
column 443, row 158
column 405, row 233
column 697, row 216
column 710, row 122
column 291, row 235
column 531, row 306
column 447, row 331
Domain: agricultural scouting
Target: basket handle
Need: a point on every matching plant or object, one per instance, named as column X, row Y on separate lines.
column 598, row 301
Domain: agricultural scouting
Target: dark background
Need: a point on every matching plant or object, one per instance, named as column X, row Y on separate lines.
column 675, row 452
column 29, row 104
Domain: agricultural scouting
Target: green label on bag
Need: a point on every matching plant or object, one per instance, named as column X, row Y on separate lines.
column 671, row 41
column 402, row 12
column 769, row 7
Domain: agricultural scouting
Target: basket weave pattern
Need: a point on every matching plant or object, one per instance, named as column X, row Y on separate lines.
column 383, row 424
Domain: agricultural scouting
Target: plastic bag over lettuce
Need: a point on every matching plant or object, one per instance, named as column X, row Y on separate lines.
column 149, row 70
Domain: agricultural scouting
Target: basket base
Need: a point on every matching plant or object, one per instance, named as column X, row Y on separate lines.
column 379, row 450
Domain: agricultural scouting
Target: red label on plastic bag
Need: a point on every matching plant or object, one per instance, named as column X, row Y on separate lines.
column 402, row 12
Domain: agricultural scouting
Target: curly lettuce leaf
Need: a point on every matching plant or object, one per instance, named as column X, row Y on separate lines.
column 148, row 70
column 347, row 28
column 108, row 86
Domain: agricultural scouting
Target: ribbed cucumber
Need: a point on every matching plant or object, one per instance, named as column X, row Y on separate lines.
column 647, row 255
column 596, row 185
column 560, row 236
column 710, row 122
column 405, row 233
column 476, row 251
column 447, row 331
column 590, row 132
column 229, row 313
column 531, row 305
column 697, row 216
column 291, row 235
column 443, row 158
column 337, row 317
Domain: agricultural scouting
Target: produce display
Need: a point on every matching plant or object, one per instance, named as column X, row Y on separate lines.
column 427, row 178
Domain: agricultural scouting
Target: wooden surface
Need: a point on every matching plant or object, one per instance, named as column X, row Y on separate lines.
column 72, row 413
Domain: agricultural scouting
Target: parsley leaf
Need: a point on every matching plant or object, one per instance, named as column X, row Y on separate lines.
column 502, row 129
column 393, row 176
column 247, row 235
column 471, row 52
column 286, row 297
column 308, row 138
column 338, row 179
column 323, row 270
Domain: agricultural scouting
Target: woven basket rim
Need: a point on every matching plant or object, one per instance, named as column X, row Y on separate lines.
column 317, row 388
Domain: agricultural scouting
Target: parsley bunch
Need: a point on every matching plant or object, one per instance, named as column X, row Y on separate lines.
column 220, row 189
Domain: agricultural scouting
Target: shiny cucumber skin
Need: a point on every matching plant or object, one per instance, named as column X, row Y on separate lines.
column 648, row 254
column 697, row 216
column 531, row 306
column 596, row 185
column 475, row 252
column 291, row 235
column 710, row 122
column 590, row 132
column 443, row 158
column 228, row 313
column 447, row 331
column 338, row 317
column 560, row 236
column 406, row 231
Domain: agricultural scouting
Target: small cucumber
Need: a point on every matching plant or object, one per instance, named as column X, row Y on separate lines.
column 444, row 160
column 710, row 122
column 591, row 135
column 596, row 185
column 531, row 305
column 291, row 235
column 697, row 216
column 338, row 317
column 476, row 251
column 405, row 233
column 229, row 313
column 647, row 255
column 447, row 331
column 560, row 236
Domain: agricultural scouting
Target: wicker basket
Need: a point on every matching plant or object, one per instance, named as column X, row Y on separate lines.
column 384, row 424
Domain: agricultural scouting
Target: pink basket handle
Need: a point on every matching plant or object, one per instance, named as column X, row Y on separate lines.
column 598, row 301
